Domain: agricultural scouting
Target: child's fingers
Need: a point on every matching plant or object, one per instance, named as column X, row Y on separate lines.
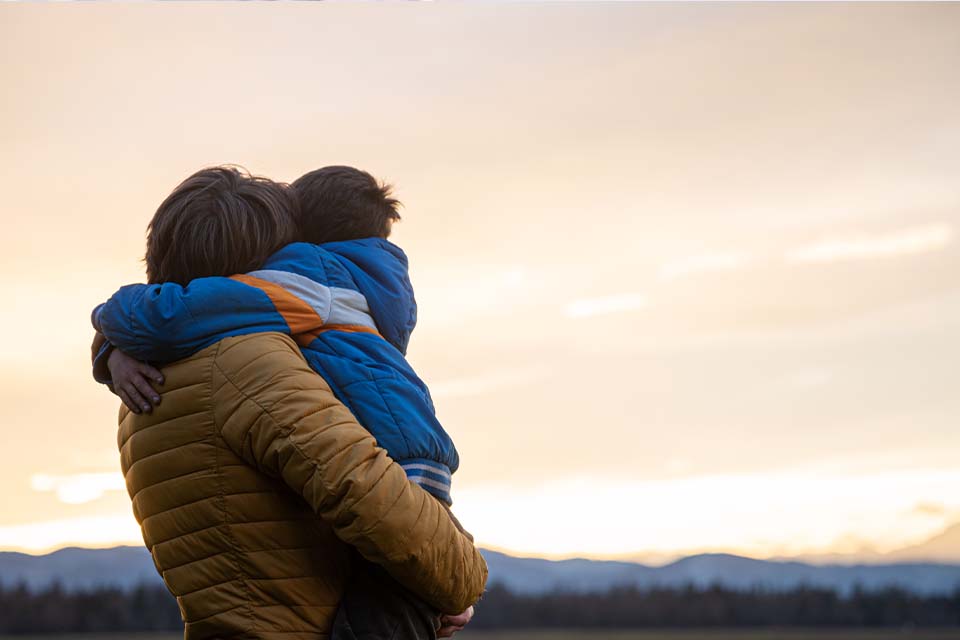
column 130, row 404
column 146, row 390
column 134, row 395
column 451, row 624
column 458, row 620
column 151, row 373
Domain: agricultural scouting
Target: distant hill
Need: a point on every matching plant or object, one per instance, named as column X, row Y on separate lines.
column 125, row 567
column 534, row 575
column 944, row 547
column 76, row 568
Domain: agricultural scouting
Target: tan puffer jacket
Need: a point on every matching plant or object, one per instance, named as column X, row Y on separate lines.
column 249, row 481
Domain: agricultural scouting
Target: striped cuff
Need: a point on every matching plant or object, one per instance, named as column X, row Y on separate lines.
column 431, row 475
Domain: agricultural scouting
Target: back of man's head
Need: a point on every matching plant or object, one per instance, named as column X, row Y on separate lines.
column 218, row 222
column 343, row 203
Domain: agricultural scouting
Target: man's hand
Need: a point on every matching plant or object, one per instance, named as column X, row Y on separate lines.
column 133, row 381
column 449, row 625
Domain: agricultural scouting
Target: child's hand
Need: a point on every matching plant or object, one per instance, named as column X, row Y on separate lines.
column 449, row 625
column 133, row 381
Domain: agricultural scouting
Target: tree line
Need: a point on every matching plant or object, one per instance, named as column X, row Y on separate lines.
column 716, row 606
column 152, row 608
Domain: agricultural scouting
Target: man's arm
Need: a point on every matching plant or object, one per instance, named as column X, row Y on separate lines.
column 303, row 435
column 168, row 322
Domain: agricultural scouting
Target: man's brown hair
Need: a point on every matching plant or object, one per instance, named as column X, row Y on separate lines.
column 218, row 222
column 343, row 203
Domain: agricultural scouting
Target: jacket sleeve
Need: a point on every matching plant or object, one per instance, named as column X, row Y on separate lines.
column 100, row 355
column 283, row 418
column 168, row 322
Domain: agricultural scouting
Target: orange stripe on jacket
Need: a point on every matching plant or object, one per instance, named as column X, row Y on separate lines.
column 304, row 339
column 299, row 316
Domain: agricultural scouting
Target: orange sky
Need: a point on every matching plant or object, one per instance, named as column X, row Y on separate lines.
column 689, row 275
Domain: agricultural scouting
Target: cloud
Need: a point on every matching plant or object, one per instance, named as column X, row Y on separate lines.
column 810, row 378
column 863, row 246
column 929, row 509
column 88, row 531
column 488, row 382
column 586, row 307
column 783, row 512
column 469, row 291
column 78, row 488
column 701, row 263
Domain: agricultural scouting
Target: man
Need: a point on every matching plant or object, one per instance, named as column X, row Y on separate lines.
column 250, row 480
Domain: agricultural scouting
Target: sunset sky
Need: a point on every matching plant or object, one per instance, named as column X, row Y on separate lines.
column 688, row 275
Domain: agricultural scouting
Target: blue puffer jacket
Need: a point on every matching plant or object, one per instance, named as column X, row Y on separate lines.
column 351, row 308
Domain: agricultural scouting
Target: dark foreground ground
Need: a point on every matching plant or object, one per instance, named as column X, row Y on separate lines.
column 723, row 634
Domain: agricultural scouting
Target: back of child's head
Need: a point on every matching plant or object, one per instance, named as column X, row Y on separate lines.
column 343, row 203
column 218, row 222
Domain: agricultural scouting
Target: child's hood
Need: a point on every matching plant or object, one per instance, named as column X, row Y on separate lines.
column 375, row 267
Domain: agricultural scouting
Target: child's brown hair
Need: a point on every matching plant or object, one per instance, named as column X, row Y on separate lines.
column 343, row 203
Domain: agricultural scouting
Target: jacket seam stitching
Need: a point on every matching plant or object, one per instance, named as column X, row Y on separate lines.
column 217, row 526
column 234, row 546
column 205, row 499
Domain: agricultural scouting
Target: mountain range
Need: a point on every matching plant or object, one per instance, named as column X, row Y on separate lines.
column 125, row 567
column 942, row 548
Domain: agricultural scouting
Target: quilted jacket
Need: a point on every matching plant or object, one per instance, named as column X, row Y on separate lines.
column 350, row 306
column 251, row 482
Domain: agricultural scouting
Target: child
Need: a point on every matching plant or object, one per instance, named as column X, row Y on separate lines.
column 344, row 294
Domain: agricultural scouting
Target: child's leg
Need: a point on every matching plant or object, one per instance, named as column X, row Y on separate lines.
column 375, row 607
